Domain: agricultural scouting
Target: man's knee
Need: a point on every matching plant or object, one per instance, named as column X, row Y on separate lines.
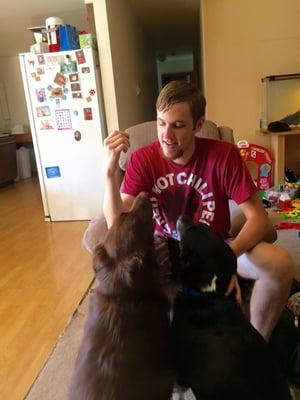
column 279, row 266
column 267, row 261
column 283, row 265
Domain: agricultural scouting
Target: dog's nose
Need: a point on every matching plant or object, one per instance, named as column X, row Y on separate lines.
column 183, row 223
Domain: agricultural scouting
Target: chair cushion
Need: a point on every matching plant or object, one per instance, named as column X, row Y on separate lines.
column 140, row 135
column 145, row 133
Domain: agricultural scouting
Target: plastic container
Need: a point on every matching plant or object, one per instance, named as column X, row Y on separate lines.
column 52, row 26
column 23, row 163
column 285, row 202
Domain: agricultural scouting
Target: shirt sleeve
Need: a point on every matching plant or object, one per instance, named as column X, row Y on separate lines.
column 238, row 181
column 135, row 180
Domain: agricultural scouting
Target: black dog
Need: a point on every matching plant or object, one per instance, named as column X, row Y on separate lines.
column 124, row 353
column 217, row 352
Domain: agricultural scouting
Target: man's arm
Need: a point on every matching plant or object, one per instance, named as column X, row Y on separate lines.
column 113, row 202
column 256, row 228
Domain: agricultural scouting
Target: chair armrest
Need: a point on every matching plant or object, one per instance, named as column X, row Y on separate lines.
column 94, row 234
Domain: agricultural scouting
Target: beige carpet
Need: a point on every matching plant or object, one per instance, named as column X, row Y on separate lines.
column 53, row 381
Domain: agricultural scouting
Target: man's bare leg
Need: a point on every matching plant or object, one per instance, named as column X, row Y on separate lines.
column 272, row 269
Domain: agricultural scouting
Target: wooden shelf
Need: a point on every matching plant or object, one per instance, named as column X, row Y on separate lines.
column 278, row 150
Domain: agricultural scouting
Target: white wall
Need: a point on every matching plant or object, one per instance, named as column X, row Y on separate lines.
column 134, row 65
column 244, row 42
column 10, row 76
column 127, row 65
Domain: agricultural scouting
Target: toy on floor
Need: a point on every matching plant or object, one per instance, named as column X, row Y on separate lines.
column 264, row 160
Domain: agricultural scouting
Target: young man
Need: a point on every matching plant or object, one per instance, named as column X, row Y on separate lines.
column 184, row 174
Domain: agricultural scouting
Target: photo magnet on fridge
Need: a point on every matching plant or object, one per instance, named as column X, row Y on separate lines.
column 56, row 92
column 68, row 68
column 41, row 59
column 80, row 57
column 75, row 87
column 43, row 111
column 77, row 95
column 73, row 77
column 85, row 70
column 47, row 124
column 88, row 114
column 41, row 95
column 60, row 79
column 77, row 136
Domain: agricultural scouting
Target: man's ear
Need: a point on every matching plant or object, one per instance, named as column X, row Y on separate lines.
column 199, row 123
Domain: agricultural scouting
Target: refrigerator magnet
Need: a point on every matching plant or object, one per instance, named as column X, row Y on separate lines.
column 80, row 57
column 60, row 79
column 88, row 114
column 53, row 172
column 54, row 60
column 74, row 77
column 41, row 95
column 75, row 87
column 85, row 70
column 92, row 92
column 77, row 136
column 66, row 90
column 40, row 70
column 77, row 95
column 47, row 124
column 63, row 119
column 75, row 112
column 68, row 67
column 33, row 74
column 37, row 78
column 88, row 99
column 43, row 111
column 57, row 101
column 56, row 92
column 41, row 59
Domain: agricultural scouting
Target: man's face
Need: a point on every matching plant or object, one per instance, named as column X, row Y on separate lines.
column 176, row 132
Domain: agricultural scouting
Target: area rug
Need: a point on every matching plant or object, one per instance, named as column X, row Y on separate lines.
column 53, row 381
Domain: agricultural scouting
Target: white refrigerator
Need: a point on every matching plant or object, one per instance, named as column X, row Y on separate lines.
column 66, row 113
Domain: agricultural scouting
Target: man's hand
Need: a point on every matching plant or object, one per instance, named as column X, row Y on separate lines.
column 113, row 145
column 234, row 286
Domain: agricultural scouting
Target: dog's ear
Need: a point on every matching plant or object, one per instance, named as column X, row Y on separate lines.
column 183, row 223
column 101, row 259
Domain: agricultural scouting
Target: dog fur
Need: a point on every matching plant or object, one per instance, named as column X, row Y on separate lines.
column 216, row 351
column 124, row 354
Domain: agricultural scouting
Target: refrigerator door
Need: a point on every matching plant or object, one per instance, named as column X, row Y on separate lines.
column 65, row 108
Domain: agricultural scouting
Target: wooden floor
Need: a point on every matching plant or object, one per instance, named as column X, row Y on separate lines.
column 44, row 273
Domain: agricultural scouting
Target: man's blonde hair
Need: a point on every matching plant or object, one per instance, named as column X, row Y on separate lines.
column 179, row 92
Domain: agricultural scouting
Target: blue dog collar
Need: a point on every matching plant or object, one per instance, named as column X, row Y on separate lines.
column 192, row 292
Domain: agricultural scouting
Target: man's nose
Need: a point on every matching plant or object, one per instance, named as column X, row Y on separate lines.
column 168, row 131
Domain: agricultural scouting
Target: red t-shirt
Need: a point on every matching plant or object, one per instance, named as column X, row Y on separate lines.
column 199, row 189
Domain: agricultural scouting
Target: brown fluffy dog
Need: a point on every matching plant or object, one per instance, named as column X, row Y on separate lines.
column 124, row 353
